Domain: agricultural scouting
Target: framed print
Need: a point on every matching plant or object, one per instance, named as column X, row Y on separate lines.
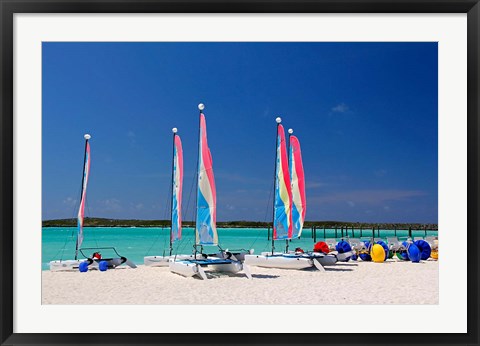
column 144, row 202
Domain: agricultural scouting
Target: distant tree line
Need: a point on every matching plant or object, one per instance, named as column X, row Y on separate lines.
column 102, row 222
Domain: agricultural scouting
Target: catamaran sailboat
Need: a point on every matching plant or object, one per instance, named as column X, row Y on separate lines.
column 289, row 210
column 92, row 261
column 205, row 223
column 176, row 207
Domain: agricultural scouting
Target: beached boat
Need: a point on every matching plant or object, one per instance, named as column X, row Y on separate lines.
column 288, row 210
column 176, row 207
column 205, row 221
column 94, row 261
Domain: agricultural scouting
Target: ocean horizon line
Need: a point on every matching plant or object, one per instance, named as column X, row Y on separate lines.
column 111, row 222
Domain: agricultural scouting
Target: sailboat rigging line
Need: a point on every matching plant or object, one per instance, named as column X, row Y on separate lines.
column 81, row 193
column 196, row 184
column 67, row 238
column 275, row 186
column 158, row 234
column 62, row 250
column 182, row 243
column 171, row 194
column 94, row 228
column 167, row 205
column 264, row 220
column 185, row 209
column 268, row 202
column 185, row 237
column 289, row 144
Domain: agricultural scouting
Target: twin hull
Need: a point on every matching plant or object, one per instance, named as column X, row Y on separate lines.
column 279, row 261
column 188, row 269
column 290, row 261
column 56, row 266
column 69, row 265
column 162, row 261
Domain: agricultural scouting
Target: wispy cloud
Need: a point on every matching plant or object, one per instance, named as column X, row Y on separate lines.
column 380, row 172
column 110, row 205
column 239, row 178
column 372, row 197
column 152, row 175
column 315, row 185
column 266, row 112
column 131, row 136
column 340, row 108
column 70, row 201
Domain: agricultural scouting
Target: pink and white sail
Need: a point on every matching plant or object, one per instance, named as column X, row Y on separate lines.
column 297, row 175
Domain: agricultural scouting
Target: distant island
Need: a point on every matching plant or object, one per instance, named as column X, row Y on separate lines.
column 103, row 222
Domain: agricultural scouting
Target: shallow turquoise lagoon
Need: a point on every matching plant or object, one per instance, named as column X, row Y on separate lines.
column 135, row 243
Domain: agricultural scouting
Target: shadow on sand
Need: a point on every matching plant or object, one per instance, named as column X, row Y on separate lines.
column 219, row 275
column 265, row 276
column 334, row 269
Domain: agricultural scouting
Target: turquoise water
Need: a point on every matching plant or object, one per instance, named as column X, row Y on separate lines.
column 135, row 243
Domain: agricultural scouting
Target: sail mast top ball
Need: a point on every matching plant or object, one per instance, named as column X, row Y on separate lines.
column 278, row 120
column 87, row 136
column 174, row 130
column 201, row 106
column 290, row 131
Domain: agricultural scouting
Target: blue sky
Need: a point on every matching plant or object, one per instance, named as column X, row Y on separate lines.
column 365, row 115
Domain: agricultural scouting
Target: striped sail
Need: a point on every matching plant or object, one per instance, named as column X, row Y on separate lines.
column 81, row 210
column 297, row 176
column 177, row 182
column 206, row 222
column 282, row 218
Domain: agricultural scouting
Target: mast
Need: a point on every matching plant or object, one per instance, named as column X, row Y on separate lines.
column 278, row 120
column 290, row 131
column 201, row 107
column 174, row 130
column 87, row 137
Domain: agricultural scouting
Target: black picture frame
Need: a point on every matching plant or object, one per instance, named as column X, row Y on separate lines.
column 10, row 7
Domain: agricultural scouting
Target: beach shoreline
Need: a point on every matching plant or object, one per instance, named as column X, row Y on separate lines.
column 391, row 282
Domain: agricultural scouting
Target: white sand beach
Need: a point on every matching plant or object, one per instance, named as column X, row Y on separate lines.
column 392, row 282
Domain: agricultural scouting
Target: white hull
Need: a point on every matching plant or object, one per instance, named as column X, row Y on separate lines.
column 236, row 256
column 72, row 265
column 66, row 265
column 233, row 267
column 184, row 268
column 162, row 261
column 333, row 257
column 325, row 260
column 279, row 261
column 342, row 257
column 188, row 269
